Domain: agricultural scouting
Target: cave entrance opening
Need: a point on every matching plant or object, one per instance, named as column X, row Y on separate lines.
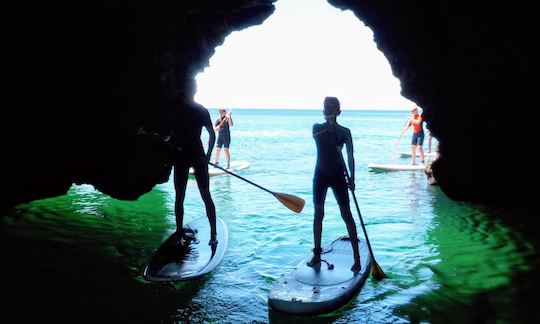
column 306, row 50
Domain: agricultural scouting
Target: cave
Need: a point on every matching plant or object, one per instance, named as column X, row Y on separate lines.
column 84, row 87
column 471, row 66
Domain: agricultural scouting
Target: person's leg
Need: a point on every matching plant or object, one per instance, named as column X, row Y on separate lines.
column 181, row 172
column 353, row 235
column 317, row 234
column 227, row 157
column 342, row 197
column 226, row 145
column 218, row 152
column 420, row 145
column 319, row 195
column 203, row 182
column 413, row 149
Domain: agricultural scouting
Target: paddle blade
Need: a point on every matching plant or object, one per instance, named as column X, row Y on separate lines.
column 296, row 204
column 376, row 271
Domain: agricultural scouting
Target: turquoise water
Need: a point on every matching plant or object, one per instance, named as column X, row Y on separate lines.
column 81, row 256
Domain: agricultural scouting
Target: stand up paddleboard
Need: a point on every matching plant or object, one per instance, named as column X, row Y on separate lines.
column 235, row 167
column 189, row 257
column 308, row 291
column 396, row 167
column 409, row 154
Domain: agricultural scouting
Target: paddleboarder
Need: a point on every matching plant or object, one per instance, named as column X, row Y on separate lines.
column 222, row 127
column 188, row 124
column 417, row 141
column 329, row 173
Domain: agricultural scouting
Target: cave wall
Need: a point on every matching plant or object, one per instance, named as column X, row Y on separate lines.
column 92, row 81
column 472, row 67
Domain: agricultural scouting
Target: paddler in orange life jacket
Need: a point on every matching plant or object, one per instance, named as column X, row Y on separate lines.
column 417, row 122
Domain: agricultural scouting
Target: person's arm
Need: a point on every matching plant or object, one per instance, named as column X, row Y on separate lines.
column 316, row 132
column 350, row 158
column 407, row 125
column 230, row 119
column 211, row 139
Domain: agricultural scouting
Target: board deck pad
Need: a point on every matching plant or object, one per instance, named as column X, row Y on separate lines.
column 396, row 167
column 309, row 291
column 235, row 167
column 326, row 277
column 189, row 257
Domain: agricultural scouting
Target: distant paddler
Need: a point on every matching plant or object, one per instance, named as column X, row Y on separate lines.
column 222, row 127
column 417, row 122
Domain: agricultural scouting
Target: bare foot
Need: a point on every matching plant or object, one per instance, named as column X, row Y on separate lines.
column 315, row 262
column 188, row 233
column 356, row 267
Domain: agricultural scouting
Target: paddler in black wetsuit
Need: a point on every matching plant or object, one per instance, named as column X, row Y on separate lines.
column 330, row 173
column 188, row 124
column 222, row 127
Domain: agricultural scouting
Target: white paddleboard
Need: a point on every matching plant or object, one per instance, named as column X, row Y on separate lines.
column 193, row 258
column 409, row 154
column 396, row 167
column 235, row 167
column 306, row 290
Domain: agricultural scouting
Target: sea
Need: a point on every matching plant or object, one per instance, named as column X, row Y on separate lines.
column 80, row 257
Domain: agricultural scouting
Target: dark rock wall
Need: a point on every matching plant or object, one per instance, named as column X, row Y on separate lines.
column 101, row 78
column 472, row 66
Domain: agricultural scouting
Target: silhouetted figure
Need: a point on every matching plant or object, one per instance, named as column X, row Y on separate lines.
column 330, row 173
column 186, row 135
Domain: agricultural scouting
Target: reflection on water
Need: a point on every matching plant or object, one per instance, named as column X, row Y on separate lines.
column 473, row 271
column 81, row 256
column 441, row 256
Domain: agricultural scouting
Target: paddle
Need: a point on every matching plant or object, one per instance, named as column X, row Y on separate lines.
column 294, row 203
column 397, row 143
column 376, row 271
column 224, row 120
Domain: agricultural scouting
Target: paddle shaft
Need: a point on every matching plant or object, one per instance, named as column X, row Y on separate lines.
column 223, row 121
column 236, row 175
column 397, row 143
column 362, row 223
column 376, row 270
column 294, row 203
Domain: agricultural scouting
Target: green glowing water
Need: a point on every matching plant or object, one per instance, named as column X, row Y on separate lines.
column 81, row 256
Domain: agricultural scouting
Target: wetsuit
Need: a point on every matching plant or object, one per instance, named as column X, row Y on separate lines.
column 187, row 135
column 224, row 135
column 329, row 172
column 188, row 124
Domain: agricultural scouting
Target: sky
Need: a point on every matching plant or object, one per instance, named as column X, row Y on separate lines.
column 306, row 50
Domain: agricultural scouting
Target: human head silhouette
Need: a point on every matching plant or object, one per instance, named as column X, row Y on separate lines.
column 331, row 106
